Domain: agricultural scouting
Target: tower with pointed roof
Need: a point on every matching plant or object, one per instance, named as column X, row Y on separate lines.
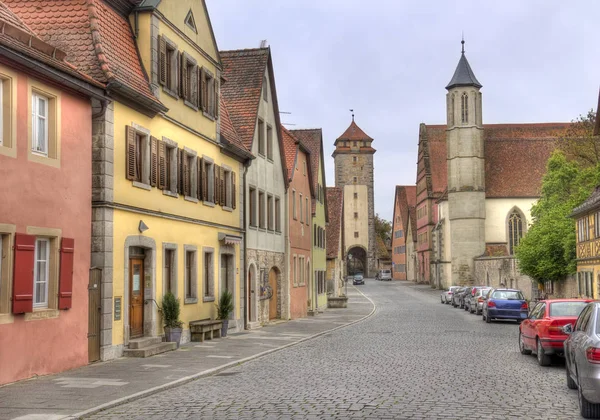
column 466, row 171
column 354, row 174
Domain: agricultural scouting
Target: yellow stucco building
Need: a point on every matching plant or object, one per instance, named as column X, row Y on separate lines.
column 587, row 227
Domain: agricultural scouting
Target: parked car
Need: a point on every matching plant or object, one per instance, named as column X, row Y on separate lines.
column 384, row 275
column 447, row 294
column 582, row 355
column 541, row 333
column 505, row 304
column 456, row 297
column 479, row 298
column 358, row 279
column 469, row 298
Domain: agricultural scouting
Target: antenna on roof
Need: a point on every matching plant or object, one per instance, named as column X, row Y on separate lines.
column 263, row 43
column 352, row 114
column 284, row 112
column 283, row 123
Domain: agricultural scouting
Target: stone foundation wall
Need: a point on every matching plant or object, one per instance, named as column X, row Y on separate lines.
column 565, row 289
column 265, row 261
column 494, row 271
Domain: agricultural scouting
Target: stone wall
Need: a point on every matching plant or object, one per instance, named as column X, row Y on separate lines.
column 493, row 271
column 265, row 261
column 564, row 289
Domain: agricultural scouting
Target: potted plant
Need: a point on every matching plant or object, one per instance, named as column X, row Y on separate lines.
column 224, row 308
column 170, row 310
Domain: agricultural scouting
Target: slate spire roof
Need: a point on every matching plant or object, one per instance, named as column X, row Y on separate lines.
column 463, row 75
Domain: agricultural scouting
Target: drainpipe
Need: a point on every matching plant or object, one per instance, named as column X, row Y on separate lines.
column 248, row 302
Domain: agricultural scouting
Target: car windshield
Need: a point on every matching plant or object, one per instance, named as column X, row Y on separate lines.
column 482, row 292
column 572, row 309
column 453, row 288
column 507, row 294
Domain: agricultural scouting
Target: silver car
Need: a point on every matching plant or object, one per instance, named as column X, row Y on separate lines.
column 582, row 355
column 446, row 296
column 477, row 300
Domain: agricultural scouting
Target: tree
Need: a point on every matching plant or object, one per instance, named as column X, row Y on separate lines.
column 547, row 251
column 579, row 144
column 383, row 228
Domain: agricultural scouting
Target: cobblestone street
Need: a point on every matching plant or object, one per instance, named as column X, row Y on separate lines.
column 413, row 359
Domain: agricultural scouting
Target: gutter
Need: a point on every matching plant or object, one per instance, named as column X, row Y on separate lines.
column 245, row 282
column 71, row 82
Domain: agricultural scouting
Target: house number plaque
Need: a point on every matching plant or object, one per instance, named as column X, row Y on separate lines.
column 117, row 309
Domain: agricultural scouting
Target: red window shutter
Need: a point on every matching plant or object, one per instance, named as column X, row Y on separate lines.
column 131, row 154
column 233, row 190
column 162, row 165
column 162, row 61
column 153, row 161
column 22, row 296
column 65, row 285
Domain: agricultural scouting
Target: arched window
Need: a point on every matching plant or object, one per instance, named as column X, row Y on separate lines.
column 451, row 116
column 464, row 108
column 515, row 231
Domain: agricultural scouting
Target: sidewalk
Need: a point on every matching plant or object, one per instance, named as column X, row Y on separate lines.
column 101, row 385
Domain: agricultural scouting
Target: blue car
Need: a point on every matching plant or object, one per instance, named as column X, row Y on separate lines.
column 505, row 304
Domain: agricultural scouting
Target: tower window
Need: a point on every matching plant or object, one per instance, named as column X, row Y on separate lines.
column 356, row 234
column 515, row 231
column 354, row 159
column 356, row 215
column 355, row 195
column 355, row 179
column 464, row 108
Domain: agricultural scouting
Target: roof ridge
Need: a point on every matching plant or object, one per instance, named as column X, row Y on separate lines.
column 262, row 50
column 97, row 40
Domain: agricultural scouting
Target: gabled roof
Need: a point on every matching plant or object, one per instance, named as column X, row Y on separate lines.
column 244, row 72
column 335, row 198
column 405, row 199
column 591, row 203
column 354, row 132
column 228, row 133
column 515, row 157
column 290, row 149
column 23, row 45
column 97, row 40
column 463, row 75
column 312, row 138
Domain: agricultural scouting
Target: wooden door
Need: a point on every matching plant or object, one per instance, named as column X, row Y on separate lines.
column 273, row 300
column 136, row 298
column 94, row 311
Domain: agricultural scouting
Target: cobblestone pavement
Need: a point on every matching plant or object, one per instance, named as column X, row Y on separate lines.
column 414, row 359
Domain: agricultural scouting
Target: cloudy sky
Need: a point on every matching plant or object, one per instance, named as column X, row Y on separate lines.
column 390, row 60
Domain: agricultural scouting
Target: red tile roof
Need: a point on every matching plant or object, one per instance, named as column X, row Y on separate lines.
column 290, row 149
column 244, row 71
column 412, row 211
column 354, row 132
column 17, row 36
column 515, row 154
column 227, row 129
column 335, row 200
column 312, row 139
column 97, row 40
column 406, row 198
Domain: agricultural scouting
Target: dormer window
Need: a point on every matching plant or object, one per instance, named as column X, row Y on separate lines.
column 464, row 108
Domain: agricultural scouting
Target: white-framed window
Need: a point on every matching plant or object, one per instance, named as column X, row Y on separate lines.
column 39, row 124
column 301, row 212
column 190, row 277
column 208, row 274
column 41, row 273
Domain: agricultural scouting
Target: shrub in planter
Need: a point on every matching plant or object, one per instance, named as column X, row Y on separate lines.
column 224, row 309
column 171, row 309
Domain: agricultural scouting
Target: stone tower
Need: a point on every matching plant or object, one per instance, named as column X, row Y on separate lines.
column 466, row 171
column 353, row 158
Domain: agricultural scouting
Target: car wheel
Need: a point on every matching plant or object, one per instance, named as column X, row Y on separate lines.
column 477, row 312
column 570, row 382
column 522, row 347
column 471, row 310
column 542, row 358
column 441, row 301
column 586, row 408
column 488, row 319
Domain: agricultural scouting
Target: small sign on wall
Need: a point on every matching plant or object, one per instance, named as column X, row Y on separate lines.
column 118, row 308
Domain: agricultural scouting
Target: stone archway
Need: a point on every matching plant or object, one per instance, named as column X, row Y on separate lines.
column 357, row 261
column 273, row 284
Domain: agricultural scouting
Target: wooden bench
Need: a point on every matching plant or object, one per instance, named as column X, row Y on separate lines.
column 205, row 329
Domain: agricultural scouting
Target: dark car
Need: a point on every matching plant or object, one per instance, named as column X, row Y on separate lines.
column 358, row 279
column 457, row 297
column 505, row 304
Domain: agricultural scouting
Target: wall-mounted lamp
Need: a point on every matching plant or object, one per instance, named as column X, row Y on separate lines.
column 142, row 227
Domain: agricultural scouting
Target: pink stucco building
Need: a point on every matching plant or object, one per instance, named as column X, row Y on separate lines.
column 45, row 205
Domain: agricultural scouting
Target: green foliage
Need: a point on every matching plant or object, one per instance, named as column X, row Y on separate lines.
column 225, row 305
column 383, row 228
column 579, row 144
column 171, row 309
column 547, row 251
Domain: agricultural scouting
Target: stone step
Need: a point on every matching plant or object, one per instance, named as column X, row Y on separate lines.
column 150, row 350
column 138, row 343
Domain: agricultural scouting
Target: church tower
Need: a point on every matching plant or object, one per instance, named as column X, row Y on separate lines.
column 466, row 171
column 353, row 156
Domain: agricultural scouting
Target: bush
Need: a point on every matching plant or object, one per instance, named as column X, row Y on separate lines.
column 225, row 305
column 171, row 309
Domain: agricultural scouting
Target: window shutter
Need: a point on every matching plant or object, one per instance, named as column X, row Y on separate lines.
column 233, row 191
column 204, row 182
column 22, row 296
column 162, row 61
column 174, row 72
column 131, row 153
column 203, row 91
column 216, row 99
column 162, row 165
column 186, row 174
column 180, row 160
column 153, row 161
column 65, row 286
column 217, row 172
column 198, row 192
column 194, row 88
column 183, row 85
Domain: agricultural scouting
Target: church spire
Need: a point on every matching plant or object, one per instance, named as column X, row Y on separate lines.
column 463, row 75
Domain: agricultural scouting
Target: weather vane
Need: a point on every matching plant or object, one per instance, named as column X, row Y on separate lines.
column 352, row 114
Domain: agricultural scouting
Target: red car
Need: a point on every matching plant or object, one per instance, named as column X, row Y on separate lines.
column 541, row 333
